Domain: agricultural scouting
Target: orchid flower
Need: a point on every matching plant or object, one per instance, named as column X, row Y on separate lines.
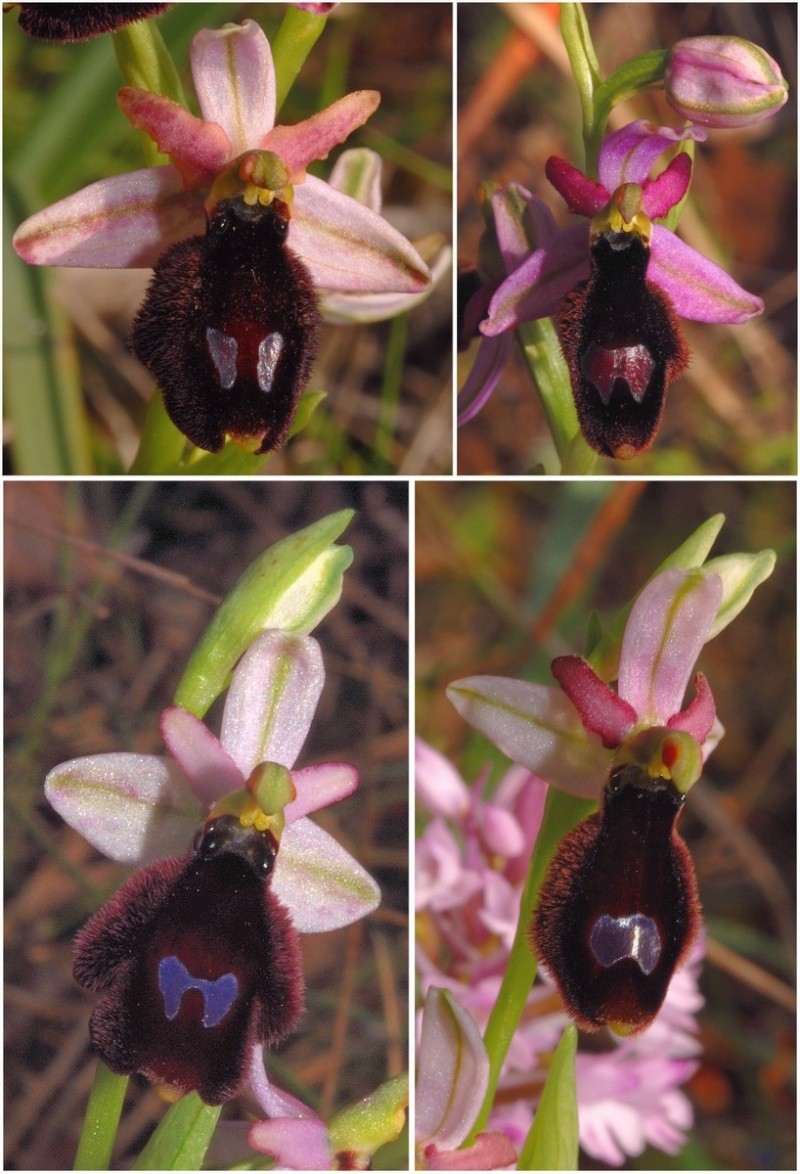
column 220, row 935
column 129, row 220
column 697, row 288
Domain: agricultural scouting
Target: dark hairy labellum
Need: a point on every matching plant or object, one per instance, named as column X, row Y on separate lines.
column 79, row 22
column 619, row 909
column 195, row 961
column 623, row 346
column 229, row 328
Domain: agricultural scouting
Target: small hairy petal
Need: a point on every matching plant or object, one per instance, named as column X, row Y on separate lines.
column 348, row 247
column 668, row 188
column 698, row 288
column 582, row 195
column 209, row 769
column 125, row 222
column 234, row 78
column 699, row 715
column 600, row 709
column 315, row 137
column 198, row 149
column 320, row 786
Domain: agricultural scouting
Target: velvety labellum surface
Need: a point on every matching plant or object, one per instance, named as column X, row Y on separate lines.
column 229, row 328
column 194, row 960
column 618, row 908
column 623, row 346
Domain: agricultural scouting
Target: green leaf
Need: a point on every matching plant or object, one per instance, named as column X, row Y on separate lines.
column 552, row 1143
column 182, row 1137
column 291, row 586
column 161, row 445
column 101, row 1121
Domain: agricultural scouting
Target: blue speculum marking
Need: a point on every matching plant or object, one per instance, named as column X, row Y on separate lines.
column 218, row 993
column 635, row 937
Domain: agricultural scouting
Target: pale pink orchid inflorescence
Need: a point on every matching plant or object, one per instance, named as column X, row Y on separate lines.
column 128, row 221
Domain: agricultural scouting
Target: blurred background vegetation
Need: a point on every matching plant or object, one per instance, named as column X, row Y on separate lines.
column 733, row 411
column 75, row 397
column 506, row 577
column 107, row 589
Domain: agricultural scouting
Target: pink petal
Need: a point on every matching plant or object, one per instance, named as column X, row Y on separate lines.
column 535, row 289
column 500, row 831
column 272, row 699
column 134, row 808
column 509, row 225
column 628, row 155
column 489, row 1151
column 315, row 137
column 439, row 787
column 348, row 247
column 453, row 1071
column 668, row 188
column 599, row 707
column 125, row 222
column 319, row 882
column 699, row 715
column 582, row 195
column 666, row 630
column 320, row 786
column 536, row 726
column 198, row 149
column 209, row 769
column 486, row 373
column 273, row 1100
column 698, row 288
column 294, row 1143
column 234, row 79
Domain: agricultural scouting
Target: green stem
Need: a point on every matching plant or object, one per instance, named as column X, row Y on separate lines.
column 561, row 813
column 644, row 72
column 582, row 60
column 544, row 358
column 101, row 1121
column 293, row 42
